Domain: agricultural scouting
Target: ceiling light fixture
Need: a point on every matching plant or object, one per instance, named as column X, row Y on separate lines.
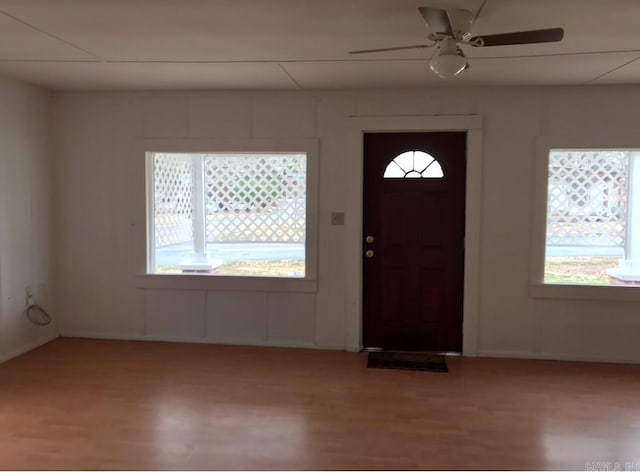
column 449, row 60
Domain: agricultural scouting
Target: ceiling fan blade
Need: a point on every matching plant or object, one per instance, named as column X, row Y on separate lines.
column 437, row 20
column 397, row 48
column 549, row 35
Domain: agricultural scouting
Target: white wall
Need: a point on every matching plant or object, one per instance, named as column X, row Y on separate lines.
column 25, row 214
column 98, row 210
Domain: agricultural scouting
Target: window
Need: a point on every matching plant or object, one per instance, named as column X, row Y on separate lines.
column 227, row 214
column 413, row 164
column 593, row 217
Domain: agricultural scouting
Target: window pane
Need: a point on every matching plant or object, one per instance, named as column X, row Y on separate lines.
column 434, row 170
column 173, row 196
column 393, row 171
column 405, row 161
column 413, row 164
column 592, row 237
column 421, row 161
column 240, row 214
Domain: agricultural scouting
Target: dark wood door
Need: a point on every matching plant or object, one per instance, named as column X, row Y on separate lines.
column 413, row 267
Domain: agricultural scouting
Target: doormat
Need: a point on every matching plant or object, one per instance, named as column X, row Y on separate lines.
column 404, row 360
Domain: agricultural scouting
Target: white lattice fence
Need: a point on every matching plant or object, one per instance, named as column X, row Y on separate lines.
column 173, row 182
column 587, row 198
column 255, row 198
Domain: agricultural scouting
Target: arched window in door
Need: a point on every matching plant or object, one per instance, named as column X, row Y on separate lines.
column 414, row 164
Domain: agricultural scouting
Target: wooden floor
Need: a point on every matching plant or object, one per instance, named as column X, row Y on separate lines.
column 88, row 404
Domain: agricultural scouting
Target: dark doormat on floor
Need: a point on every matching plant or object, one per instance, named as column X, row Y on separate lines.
column 405, row 360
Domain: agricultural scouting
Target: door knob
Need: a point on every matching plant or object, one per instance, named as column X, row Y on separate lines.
column 369, row 253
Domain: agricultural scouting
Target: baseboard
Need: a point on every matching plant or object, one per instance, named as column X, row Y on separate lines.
column 555, row 356
column 29, row 347
column 208, row 340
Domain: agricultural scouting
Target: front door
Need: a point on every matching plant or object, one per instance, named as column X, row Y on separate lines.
column 413, row 266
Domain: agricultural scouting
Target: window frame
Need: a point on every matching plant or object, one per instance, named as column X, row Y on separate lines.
column 538, row 289
column 144, row 219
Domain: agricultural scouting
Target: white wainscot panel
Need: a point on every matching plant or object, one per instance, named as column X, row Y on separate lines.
column 221, row 115
column 284, row 116
column 291, row 319
column 165, row 116
column 175, row 314
column 590, row 330
column 582, row 112
column 237, row 317
column 373, row 103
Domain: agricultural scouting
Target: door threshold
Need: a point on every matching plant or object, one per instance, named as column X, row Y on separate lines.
column 444, row 353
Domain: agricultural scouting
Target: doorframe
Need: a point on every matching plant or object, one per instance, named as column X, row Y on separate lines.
column 354, row 205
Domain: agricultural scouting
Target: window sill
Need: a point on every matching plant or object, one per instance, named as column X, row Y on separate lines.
column 224, row 283
column 590, row 293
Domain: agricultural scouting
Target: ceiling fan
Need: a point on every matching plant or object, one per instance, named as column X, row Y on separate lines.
column 452, row 27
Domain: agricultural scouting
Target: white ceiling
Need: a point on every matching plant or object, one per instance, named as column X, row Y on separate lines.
column 293, row 44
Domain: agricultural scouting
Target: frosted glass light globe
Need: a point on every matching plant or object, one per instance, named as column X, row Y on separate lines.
column 448, row 64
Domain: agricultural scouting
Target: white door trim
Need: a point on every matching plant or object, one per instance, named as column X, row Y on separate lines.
column 472, row 124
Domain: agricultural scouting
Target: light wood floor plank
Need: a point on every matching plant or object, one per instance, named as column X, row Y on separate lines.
column 89, row 404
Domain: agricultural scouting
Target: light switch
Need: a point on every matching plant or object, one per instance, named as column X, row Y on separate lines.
column 337, row 218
